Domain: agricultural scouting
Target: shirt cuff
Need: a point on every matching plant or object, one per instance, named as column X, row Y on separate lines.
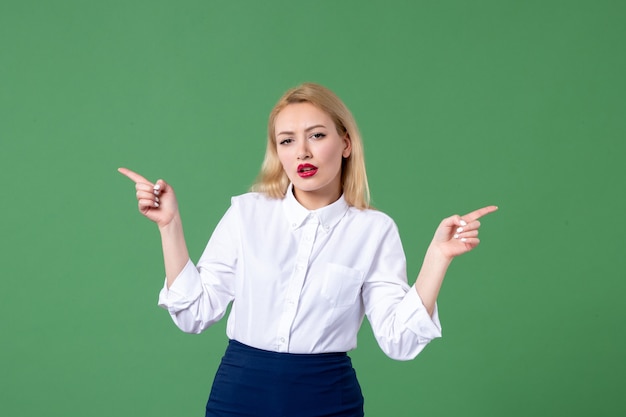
column 185, row 289
column 412, row 312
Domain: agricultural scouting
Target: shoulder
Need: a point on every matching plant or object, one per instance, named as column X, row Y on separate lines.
column 254, row 201
column 373, row 219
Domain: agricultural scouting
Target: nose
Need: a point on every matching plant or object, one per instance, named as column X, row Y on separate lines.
column 303, row 151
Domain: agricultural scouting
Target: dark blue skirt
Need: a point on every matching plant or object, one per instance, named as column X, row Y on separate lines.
column 257, row 383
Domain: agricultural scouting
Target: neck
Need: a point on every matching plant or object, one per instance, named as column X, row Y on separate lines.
column 312, row 200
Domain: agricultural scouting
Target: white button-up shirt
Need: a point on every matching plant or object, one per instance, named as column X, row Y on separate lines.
column 301, row 281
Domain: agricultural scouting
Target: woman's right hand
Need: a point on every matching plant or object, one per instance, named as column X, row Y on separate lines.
column 156, row 201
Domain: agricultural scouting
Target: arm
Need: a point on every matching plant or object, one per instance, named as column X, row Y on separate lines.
column 402, row 325
column 455, row 236
column 175, row 253
column 157, row 202
column 405, row 320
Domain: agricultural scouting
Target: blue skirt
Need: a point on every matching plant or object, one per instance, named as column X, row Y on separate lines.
column 256, row 383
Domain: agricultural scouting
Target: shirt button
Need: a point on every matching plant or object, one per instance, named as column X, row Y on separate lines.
column 282, row 340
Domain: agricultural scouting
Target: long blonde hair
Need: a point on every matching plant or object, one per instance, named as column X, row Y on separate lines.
column 273, row 181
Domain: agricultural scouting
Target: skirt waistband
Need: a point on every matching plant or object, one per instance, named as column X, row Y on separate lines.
column 239, row 348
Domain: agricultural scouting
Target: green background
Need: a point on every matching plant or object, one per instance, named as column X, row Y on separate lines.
column 461, row 104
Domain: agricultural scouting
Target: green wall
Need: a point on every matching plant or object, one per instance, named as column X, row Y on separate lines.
column 461, row 104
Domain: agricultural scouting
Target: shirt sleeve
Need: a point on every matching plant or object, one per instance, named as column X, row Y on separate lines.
column 201, row 293
column 399, row 319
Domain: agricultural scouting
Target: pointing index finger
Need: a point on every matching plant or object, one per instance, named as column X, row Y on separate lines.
column 477, row 214
column 133, row 175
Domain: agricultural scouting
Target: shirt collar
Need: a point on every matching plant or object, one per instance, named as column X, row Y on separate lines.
column 328, row 216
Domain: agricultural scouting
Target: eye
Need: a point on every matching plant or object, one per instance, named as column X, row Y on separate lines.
column 285, row 141
column 317, row 136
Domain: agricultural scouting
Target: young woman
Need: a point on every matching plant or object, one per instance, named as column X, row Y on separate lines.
column 303, row 258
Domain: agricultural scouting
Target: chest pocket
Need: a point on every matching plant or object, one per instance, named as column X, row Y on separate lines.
column 342, row 285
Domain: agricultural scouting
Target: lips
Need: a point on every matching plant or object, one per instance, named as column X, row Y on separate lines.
column 306, row 170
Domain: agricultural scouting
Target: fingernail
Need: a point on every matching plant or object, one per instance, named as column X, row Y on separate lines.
column 463, row 240
column 459, row 230
column 456, row 236
column 463, row 223
column 156, row 204
column 156, row 199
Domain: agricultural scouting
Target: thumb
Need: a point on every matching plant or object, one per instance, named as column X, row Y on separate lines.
column 454, row 221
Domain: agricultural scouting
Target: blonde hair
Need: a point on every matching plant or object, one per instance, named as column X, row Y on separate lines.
column 273, row 181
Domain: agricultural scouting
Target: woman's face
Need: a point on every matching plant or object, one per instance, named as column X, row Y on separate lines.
column 311, row 151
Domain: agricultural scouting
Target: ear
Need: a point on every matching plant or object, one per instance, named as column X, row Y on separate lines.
column 348, row 146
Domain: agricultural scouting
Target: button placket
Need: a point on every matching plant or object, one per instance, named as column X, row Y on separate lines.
column 296, row 282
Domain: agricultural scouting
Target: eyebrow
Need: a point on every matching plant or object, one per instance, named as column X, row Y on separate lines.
column 306, row 130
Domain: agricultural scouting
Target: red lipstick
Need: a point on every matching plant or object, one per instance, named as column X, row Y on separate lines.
column 306, row 170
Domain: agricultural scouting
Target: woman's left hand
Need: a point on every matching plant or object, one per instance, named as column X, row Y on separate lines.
column 457, row 235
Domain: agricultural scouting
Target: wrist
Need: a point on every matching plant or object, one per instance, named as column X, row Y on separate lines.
column 171, row 227
column 438, row 256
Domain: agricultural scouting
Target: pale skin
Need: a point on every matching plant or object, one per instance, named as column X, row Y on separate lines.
column 160, row 205
column 306, row 136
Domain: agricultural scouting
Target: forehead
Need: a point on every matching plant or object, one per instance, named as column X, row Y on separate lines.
column 300, row 116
